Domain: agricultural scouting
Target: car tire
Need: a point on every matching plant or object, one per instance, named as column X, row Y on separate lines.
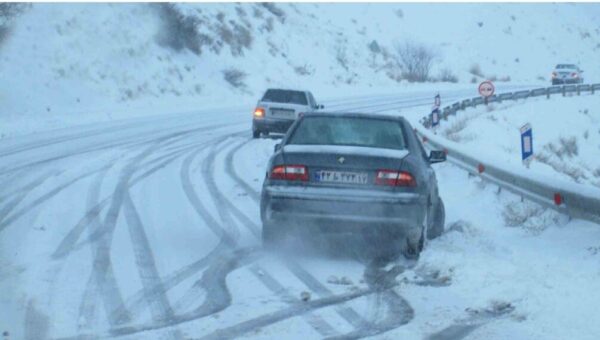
column 255, row 133
column 413, row 248
column 439, row 218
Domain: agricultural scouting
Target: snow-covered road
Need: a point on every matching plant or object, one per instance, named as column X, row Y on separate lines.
column 150, row 228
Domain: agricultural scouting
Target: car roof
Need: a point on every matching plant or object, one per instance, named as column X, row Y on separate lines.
column 354, row 115
column 280, row 89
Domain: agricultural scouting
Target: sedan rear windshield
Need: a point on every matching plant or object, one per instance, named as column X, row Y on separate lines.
column 353, row 131
column 285, row 96
column 567, row 66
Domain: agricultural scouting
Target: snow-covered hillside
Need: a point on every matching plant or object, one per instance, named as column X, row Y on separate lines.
column 566, row 134
column 70, row 63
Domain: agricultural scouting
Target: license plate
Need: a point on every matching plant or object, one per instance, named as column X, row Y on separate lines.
column 341, row 177
column 283, row 113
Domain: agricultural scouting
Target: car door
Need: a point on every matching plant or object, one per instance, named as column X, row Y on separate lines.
column 429, row 173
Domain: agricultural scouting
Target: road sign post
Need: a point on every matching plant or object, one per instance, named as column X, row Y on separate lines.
column 526, row 144
column 435, row 118
column 486, row 90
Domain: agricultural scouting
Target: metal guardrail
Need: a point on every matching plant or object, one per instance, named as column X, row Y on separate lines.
column 544, row 91
column 573, row 199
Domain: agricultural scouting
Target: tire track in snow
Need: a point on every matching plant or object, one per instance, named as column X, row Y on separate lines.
column 69, row 242
column 21, row 193
column 138, row 301
column 292, row 311
column 87, row 308
column 160, row 307
column 102, row 279
column 399, row 311
column 316, row 322
column 43, row 198
column 214, row 276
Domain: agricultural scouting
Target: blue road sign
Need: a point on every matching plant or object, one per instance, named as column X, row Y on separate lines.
column 435, row 117
column 526, row 143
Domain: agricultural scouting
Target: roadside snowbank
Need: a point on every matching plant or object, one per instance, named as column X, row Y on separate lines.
column 566, row 135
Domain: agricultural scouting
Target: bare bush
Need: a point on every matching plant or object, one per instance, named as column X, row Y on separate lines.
column 416, row 60
column 475, row 70
column 504, row 79
column 276, row 11
column 236, row 36
column 8, row 12
column 341, row 57
column 530, row 216
column 235, row 78
column 179, row 31
column 557, row 157
column 447, row 76
column 453, row 131
column 567, row 147
column 473, row 80
column 304, row 70
column 374, row 47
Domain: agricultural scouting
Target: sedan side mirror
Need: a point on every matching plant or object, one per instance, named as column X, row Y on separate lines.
column 437, row 156
column 277, row 147
column 320, row 107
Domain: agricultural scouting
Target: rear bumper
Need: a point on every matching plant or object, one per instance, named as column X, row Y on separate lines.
column 557, row 81
column 271, row 125
column 325, row 210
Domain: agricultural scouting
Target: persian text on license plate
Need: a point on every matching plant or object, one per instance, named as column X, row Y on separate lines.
column 341, row 177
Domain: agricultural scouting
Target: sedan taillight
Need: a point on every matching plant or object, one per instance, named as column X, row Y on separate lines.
column 574, row 75
column 395, row 178
column 554, row 75
column 290, row 172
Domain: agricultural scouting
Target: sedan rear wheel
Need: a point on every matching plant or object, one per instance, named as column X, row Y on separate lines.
column 439, row 218
column 255, row 133
column 414, row 246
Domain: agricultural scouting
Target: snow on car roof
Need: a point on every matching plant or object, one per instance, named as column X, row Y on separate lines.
column 346, row 150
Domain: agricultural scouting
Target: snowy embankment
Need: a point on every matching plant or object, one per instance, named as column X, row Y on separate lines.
column 69, row 64
column 566, row 135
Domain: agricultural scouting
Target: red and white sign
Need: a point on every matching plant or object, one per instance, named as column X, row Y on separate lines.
column 486, row 89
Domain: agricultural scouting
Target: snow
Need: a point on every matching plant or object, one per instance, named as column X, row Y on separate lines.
column 566, row 136
column 544, row 266
column 137, row 216
column 345, row 150
column 87, row 63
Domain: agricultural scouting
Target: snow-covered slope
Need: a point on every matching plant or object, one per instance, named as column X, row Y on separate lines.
column 566, row 134
column 69, row 63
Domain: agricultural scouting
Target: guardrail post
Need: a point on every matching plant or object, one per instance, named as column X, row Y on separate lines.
column 578, row 90
column 592, row 87
column 564, row 90
column 547, row 93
